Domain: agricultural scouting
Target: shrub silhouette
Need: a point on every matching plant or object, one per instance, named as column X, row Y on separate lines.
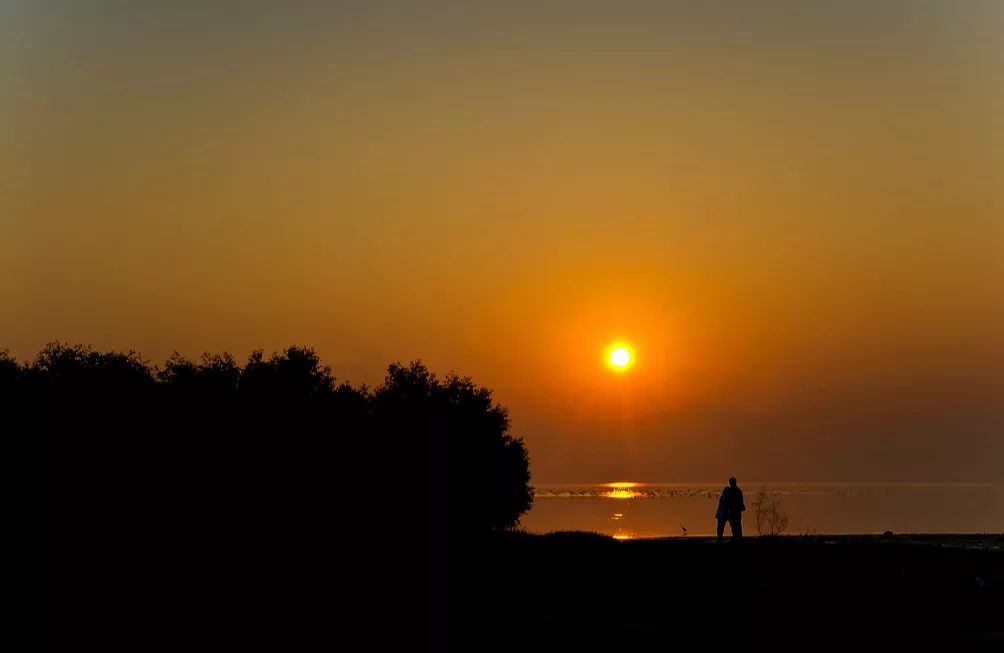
column 770, row 520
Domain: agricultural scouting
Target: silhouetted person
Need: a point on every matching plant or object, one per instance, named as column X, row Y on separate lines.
column 730, row 509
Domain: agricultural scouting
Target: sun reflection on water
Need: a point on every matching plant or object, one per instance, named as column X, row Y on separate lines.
column 620, row 490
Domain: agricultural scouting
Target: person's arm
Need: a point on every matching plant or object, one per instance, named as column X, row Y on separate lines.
column 742, row 504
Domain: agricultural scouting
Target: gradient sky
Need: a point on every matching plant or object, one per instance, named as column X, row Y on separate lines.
column 794, row 212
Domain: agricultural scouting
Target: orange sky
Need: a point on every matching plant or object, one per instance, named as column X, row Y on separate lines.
column 793, row 213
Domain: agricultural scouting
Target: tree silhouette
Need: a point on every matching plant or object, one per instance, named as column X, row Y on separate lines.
column 255, row 491
column 10, row 371
column 456, row 427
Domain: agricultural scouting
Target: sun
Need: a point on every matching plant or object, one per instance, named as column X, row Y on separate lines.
column 619, row 356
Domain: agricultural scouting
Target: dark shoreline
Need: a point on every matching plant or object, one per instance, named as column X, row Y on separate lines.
column 584, row 591
column 979, row 541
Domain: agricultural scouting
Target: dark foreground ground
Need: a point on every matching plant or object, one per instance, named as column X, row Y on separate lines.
column 578, row 591
column 289, row 588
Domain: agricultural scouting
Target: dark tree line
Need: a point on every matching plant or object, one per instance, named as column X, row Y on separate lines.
column 253, row 499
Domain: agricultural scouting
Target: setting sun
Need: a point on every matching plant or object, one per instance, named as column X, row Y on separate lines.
column 509, row 257
column 619, row 356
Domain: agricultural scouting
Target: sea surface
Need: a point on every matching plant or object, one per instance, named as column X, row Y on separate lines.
column 627, row 509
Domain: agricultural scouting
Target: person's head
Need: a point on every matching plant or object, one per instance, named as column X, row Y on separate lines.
column 732, row 481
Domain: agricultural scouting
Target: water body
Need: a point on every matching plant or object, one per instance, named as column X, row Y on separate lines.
column 628, row 509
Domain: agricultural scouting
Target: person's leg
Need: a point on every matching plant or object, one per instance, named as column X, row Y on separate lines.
column 721, row 529
column 737, row 528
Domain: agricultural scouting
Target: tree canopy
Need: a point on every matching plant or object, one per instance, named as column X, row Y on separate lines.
column 213, row 468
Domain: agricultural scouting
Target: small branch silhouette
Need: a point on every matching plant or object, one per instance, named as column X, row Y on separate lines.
column 770, row 520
